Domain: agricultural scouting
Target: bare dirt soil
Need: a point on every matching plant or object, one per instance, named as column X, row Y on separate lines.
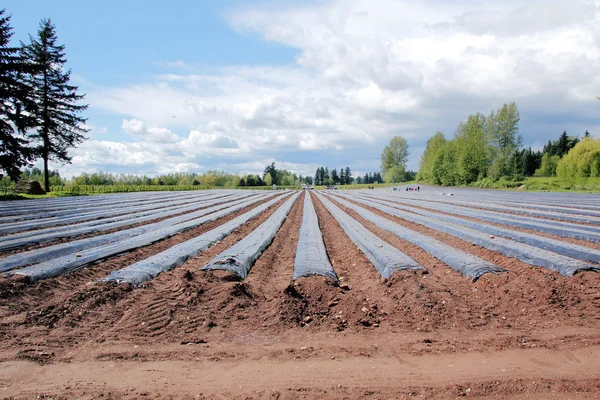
column 525, row 334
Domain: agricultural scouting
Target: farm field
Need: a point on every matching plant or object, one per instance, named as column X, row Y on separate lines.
column 342, row 294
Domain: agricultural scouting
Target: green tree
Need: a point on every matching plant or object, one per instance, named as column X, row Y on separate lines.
column 15, row 106
column 530, row 161
column 57, row 110
column 319, row 173
column 444, row 165
column 395, row 175
column 504, row 136
column 348, row 176
column 271, row 170
column 434, row 143
column 473, row 151
column 562, row 147
column 394, row 154
column 548, row 165
column 582, row 161
column 335, row 177
column 268, row 179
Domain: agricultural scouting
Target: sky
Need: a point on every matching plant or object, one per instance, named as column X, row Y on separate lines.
column 192, row 86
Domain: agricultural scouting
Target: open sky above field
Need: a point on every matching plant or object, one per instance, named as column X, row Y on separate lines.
column 188, row 86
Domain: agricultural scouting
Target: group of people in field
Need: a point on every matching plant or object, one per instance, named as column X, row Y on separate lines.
column 410, row 189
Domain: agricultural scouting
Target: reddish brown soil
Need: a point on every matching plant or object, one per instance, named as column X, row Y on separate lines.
column 525, row 334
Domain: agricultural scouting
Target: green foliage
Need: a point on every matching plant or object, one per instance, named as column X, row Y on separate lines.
column 557, row 184
column 434, row 144
column 15, row 106
column 92, row 189
column 444, row 165
column 268, row 179
column 472, row 150
column 395, row 154
column 502, row 183
column 485, row 150
column 274, row 176
column 505, row 139
column 582, row 161
column 395, row 175
column 530, row 161
column 35, row 174
column 206, row 180
column 271, row 170
column 562, row 145
column 324, row 177
column 251, row 181
column 59, row 127
column 548, row 165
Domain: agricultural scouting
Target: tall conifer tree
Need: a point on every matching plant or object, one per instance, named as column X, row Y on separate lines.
column 15, row 105
column 59, row 126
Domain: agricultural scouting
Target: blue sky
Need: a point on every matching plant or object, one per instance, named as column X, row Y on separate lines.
column 231, row 85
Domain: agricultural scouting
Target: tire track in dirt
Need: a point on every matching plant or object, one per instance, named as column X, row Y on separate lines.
column 188, row 304
column 68, row 305
column 272, row 273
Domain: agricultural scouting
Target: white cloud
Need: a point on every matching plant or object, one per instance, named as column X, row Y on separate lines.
column 366, row 70
column 152, row 135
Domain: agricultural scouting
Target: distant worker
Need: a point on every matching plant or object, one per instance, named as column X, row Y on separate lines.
column 418, row 189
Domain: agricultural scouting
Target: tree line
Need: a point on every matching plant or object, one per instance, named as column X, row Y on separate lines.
column 393, row 162
column 483, row 146
column 490, row 147
column 39, row 108
column 323, row 176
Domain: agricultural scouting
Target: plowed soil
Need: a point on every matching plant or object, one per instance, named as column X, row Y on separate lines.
column 524, row 334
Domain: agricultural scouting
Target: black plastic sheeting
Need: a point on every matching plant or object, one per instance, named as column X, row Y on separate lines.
column 566, row 206
column 41, row 236
column 521, row 211
column 311, row 255
column 87, row 216
column 240, row 257
column 464, row 263
column 384, row 257
column 19, row 207
column 564, row 265
column 564, row 229
column 151, row 267
column 553, row 208
column 35, row 214
column 72, row 262
column 556, row 246
column 64, row 249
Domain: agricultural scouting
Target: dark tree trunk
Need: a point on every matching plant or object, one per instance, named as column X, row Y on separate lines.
column 46, row 174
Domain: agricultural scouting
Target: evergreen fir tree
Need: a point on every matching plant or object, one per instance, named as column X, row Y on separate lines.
column 15, row 105
column 59, row 127
column 334, row 176
column 348, row 176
